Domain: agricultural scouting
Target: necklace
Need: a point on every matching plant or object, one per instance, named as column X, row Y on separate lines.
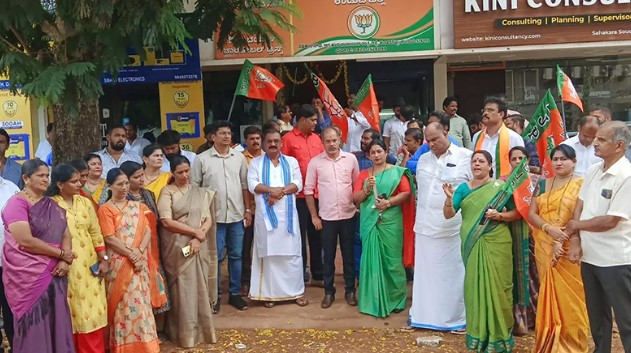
column 120, row 209
column 567, row 183
column 182, row 191
column 150, row 179
column 31, row 198
column 484, row 181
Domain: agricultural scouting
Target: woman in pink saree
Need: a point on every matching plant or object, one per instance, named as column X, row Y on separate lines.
column 36, row 258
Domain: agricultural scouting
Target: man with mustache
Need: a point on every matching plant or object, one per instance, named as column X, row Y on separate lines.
column 333, row 172
column 277, row 271
column 252, row 136
column 303, row 144
column 224, row 170
column 496, row 138
column 115, row 154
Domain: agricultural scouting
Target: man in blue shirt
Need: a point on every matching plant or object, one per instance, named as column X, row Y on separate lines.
column 438, row 117
column 12, row 170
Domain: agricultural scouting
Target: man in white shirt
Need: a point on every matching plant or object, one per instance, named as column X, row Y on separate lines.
column 44, row 149
column 582, row 144
column 134, row 143
column 601, row 233
column 7, row 190
column 170, row 141
column 115, row 154
column 495, row 136
column 357, row 123
column 438, row 304
column 394, row 131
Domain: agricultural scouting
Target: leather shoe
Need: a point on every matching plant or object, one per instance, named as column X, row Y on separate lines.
column 327, row 301
column 351, row 299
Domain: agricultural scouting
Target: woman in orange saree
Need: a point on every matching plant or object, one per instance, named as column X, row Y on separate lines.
column 127, row 235
column 137, row 192
column 562, row 324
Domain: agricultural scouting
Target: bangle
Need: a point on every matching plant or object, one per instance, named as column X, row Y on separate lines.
column 61, row 254
column 448, row 205
column 248, row 210
column 545, row 227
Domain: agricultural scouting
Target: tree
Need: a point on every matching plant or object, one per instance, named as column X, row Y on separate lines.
column 57, row 50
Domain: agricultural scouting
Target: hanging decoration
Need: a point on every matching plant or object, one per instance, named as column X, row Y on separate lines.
column 341, row 71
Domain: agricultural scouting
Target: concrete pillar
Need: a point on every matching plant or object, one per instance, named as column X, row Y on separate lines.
column 440, row 82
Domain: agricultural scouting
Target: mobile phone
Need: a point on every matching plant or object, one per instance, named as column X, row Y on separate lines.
column 95, row 269
column 186, row 251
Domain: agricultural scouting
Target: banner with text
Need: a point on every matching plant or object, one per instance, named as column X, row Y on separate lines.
column 182, row 109
column 493, row 23
column 15, row 117
column 341, row 27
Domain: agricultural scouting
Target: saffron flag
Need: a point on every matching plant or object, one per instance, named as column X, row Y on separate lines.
column 546, row 130
column 332, row 106
column 523, row 190
column 258, row 83
column 566, row 89
column 366, row 103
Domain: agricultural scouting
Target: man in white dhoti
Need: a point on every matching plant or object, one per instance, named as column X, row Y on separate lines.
column 274, row 179
column 438, row 292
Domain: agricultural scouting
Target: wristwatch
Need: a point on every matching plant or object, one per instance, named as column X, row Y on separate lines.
column 105, row 258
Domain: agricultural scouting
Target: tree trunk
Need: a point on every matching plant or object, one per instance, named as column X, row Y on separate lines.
column 76, row 135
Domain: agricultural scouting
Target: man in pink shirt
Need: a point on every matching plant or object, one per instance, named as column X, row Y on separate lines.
column 303, row 144
column 333, row 172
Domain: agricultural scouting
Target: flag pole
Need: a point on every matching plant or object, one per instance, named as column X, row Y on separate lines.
column 563, row 116
column 234, row 97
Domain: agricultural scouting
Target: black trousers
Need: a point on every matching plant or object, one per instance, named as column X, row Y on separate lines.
column 308, row 232
column 345, row 229
column 246, row 264
column 7, row 315
column 607, row 288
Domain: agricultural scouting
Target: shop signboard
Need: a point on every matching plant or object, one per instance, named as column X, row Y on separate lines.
column 495, row 23
column 160, row 65
column 347, row 27
column 15, row 118
column 182, row 109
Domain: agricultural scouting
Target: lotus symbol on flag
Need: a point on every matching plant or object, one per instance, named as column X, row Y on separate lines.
column 263, row 77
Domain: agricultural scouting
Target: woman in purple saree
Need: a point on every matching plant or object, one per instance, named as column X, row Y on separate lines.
column 36, row 257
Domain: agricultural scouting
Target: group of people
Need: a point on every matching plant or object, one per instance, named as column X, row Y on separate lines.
column 104, row 252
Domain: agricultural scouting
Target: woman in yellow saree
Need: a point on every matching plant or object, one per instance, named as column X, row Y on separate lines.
column 127, row 235
column 562, row 325
column 155, row 179
column 95, row 184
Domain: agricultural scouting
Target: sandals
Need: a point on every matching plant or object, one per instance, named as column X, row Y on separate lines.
column 302, row 301
column 461, row 331
column 268, row 305
column 408, row 329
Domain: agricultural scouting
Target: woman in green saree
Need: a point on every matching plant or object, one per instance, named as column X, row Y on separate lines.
column 488, row 258
column 382, row 193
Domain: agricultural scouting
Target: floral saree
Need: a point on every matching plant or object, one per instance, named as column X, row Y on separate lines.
column 131, row 321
